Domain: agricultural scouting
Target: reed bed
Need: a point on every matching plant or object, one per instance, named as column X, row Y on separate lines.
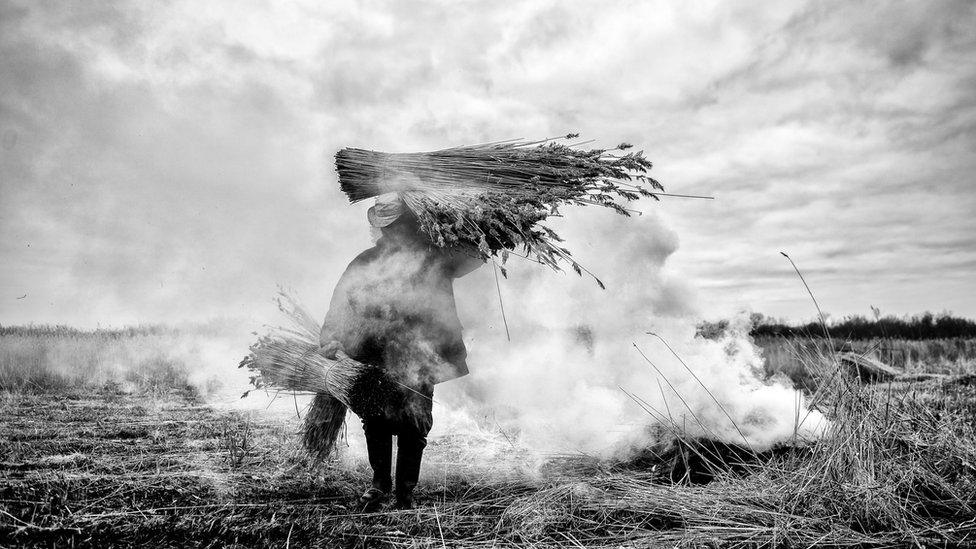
column 944, row 356
column 56, row 358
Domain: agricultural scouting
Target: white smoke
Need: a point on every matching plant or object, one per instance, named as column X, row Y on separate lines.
column 571, row 377
column 573, row 380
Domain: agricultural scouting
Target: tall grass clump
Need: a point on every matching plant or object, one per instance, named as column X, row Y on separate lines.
column 896, row 458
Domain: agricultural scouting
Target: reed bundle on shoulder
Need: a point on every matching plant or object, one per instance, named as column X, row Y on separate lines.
column 287, row 359
column 494, row 197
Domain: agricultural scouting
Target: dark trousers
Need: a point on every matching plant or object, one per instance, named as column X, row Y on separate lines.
column 410, row 423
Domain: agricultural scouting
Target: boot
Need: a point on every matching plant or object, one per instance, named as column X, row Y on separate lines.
column 410, row 451
column 379, row 447
column 403, row 501
column 372, row 500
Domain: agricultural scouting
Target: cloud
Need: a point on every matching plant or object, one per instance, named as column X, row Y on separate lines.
column 169, row 162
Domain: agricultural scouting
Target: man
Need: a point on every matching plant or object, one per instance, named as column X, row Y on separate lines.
column 394, row 308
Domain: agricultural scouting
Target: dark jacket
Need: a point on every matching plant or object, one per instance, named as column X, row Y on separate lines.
column 394, row 307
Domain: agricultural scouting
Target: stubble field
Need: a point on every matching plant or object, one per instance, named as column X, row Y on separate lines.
column 116, row 458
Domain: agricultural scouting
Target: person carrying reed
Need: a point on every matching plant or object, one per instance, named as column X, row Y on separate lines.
column 394, row 308
column 392, row 331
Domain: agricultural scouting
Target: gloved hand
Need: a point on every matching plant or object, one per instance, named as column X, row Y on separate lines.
column 329, row 350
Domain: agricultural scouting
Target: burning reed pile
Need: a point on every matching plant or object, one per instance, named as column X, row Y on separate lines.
column 288, row 360
column 493, row 197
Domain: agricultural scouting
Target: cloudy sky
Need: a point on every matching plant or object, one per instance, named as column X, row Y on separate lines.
column 173, row 160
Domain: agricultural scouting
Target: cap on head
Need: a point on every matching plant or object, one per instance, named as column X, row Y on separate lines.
column 388, row 208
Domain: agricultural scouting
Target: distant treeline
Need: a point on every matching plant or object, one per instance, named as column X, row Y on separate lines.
column 916, row 327
column 62, row 330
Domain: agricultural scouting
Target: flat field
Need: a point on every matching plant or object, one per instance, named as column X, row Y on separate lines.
column 147, row 462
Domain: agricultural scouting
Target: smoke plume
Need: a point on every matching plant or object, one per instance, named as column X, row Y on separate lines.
column 582, row 374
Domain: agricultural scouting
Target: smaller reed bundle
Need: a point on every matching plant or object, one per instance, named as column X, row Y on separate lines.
column 493, row 197
column 285, row 362
column 288, row 360
column 324, row 422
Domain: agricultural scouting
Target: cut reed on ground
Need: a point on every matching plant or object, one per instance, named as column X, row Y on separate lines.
column 494, row 197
